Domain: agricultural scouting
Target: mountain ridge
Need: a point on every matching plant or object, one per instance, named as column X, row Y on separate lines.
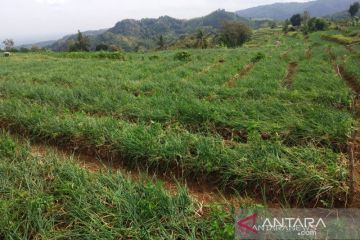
column 282, row 11
column 130, row 33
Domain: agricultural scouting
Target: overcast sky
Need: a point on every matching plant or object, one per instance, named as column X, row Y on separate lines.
column 29, row 20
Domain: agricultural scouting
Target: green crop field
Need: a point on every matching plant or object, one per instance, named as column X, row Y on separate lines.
column 270, row 121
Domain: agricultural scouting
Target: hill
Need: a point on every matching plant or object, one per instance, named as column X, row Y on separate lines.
column 129, row 33
column 38, row 44
column 281, row 11
column 60, row 44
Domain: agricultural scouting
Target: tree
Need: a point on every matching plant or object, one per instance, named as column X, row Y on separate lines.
column 286, row 26
column 82, row 43
column 320, row 24
column 70, row 45
column 161, row 42
column 234, row 34
column 306, row 17
column 273, row 25
column 296, row 20
column 354, row 8
column 101, row 47
column 201, row 41
column 9, row 44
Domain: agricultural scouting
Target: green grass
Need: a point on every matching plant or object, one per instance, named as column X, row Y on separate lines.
column 91, row 55
column 272, row 135
column 258, row 136
column 53, row 198
column 339, row 38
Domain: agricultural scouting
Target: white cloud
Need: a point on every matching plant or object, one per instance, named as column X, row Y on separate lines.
column 51, row 2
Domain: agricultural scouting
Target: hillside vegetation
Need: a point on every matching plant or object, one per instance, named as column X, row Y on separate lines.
column 271, row 121
column 143, row 34
column 188, row 118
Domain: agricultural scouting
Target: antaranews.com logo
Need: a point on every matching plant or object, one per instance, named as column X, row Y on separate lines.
column 298, row 224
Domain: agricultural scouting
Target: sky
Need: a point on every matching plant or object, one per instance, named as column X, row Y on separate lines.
column 28, row 21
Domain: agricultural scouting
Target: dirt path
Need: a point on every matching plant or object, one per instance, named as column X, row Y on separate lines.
column 349, row 48
column 354, row 141
column 204, row 194
column 285, row 55
column 206, row 69
column 291, row 70
column 244, row 71
column 308, row 53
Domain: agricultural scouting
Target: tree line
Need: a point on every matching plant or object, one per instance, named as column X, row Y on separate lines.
column 306, row 23
column 231, row 34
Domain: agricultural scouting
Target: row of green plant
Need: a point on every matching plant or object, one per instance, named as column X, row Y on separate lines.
column 299, row 173
column 95, row 55
column 49, row 197
column 339, row 38
column 167, row 113
column 195, row 97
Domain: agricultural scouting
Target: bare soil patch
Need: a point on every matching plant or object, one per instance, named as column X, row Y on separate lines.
column 244, row 71
column 291, row 70
column 308, row 53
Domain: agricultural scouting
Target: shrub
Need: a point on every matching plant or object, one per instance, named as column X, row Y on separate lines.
column 102, row 47
column 354, row 34
column 317, row 24
column 182, row 56
column 88, row 55
column 111, row 55
column 286, row 26
column 154, row 57
column 24, row 50
column 114, row 48
column 258, row 57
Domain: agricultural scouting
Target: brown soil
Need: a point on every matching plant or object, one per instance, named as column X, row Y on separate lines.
column 354, row 141
column 204, row 194
column 349, row 48
column 244, row 71
column 285, row 55
column 308, row 53
column 206, row 69
column 229, row 134
column 291, row 69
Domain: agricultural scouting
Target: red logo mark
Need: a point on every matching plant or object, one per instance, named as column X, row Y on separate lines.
column 244, row 226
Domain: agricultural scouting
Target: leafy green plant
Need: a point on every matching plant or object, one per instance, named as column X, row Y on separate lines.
column 182, row 56
column 61, row 200
column 168, row 114
column 258, row 57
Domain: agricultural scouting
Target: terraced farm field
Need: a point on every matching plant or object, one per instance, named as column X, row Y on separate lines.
column 268, row 123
